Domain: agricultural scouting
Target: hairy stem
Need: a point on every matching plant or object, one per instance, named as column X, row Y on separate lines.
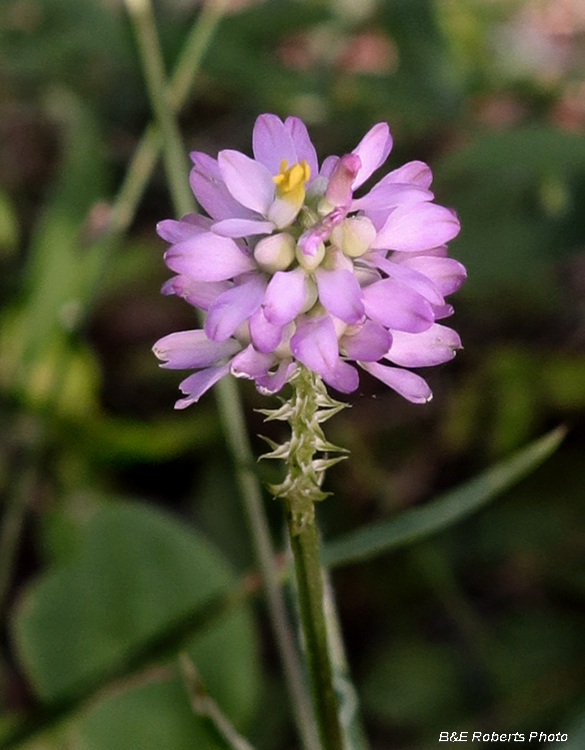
column 305, row 548
column 308, row 406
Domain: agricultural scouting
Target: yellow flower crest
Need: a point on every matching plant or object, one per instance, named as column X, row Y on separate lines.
column 290, row 181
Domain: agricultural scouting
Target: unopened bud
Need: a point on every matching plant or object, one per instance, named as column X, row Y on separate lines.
column 338, row 191
column 311, row 295
column 354, row 236
column 310, row 261
column 275, row 253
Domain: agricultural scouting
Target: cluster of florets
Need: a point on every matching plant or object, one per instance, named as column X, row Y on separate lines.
column 291, row 268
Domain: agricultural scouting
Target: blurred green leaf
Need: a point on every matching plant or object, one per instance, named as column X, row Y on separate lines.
column 418, row 523
column 515, row 397
column 59, row 268
column 82, row 45
column 423, row 89
column 149, row 716
column 68, row 380
column 576, row 734
column 122, row 440
column 563, row 380
column 245, row 64
column 499, row 403
column 531, row 643
column 516, row 193
column 137, row 572
column 9, row 227
column 413, row 683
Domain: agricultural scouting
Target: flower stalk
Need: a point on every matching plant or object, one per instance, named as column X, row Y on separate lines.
column 308, row 407
column 228, row 400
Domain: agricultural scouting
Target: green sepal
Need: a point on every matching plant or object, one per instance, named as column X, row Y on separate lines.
column 325, row 414
column 322, row 464
column 278, row 451
column 282, row 413
column 307, row 451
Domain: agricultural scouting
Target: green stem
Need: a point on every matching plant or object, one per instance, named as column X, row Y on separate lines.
column 305, row 548
column 232, row 417
column 300, row 490
column 146, row 154
column 204, row 705
column 152, row 63
column 16, row 509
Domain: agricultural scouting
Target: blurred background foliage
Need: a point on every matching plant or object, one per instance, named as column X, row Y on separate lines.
column 120, row 516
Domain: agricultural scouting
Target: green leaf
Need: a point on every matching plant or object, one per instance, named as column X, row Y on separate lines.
column 518, row 194
column 576, row 734
column 9, row 227
column 117, row 439
column 60, row 266
column 137, row 573
column 150, row 716
column 418, row 523
column 413, row 683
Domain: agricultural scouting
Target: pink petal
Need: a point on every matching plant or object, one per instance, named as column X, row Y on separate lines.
column 197, row 293
column 340, row 294
column 266, row 336
column 251, row 364
column 248, row 180
column 446, row 273
column 339, row 188
column 397, row 306
column 369, row 343
column 413, row 172
column 208, row 257
column 437, row 252
column 406, row 383
column 272, row 142
column 407, row 275
column 373, row 151
column 274, row 381
column 328, row 166
column 285, row 296
column 176, row 231
column 190, row 349
column 303, row 144
column 197, row 384
column 210, row 189
column 431, row 347
column 242, row 227
column 343, row 377
column 383, row 197
column 418, row 227
column 234, row 307
column 442, row 311
column 314, row 343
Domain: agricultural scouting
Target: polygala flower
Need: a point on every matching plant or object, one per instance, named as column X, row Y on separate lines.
column 291, row 267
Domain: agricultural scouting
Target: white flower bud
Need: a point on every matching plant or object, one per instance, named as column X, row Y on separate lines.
column 354, row 236
column 310, row 262
column 275, row 253
column 311, row 295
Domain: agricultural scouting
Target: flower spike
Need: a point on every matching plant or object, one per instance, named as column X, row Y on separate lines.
column 294, row 270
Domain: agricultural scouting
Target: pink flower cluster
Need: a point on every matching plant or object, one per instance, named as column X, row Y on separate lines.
column 290, row 267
